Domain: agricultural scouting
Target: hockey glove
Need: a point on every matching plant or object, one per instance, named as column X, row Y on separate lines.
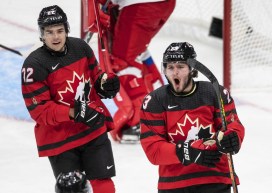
column 107, row 86
column 228, row 142
column 195, row 151
column 88, row 113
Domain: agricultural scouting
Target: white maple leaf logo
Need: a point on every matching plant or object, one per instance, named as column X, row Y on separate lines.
column 189, row 130
column 77, row 86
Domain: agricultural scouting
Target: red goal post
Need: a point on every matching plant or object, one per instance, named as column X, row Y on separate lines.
column 248, row 45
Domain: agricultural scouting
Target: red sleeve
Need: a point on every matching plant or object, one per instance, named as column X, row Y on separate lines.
column 232, row 119
column 40, row 106
column 158, row 150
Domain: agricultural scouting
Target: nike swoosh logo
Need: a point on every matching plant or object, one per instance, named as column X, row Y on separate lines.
column 92, row 118
column 197, row 157
column 171, row 107
column 109, row 167
column 54, row 67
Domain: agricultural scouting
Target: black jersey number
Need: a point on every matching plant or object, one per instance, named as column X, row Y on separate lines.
column 27, row 73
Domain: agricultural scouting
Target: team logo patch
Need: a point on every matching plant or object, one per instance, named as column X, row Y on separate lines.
column 78, row 87
column 192, row 129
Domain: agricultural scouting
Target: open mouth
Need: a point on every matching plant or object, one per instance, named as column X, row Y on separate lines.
column 177, row 81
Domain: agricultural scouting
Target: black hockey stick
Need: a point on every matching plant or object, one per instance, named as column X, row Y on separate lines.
column 11, row 50
column 206, row 72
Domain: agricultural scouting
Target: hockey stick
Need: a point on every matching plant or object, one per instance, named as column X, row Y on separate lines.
column 88, row 36
column 11, row 50
column 105, row 54
column 25, row 53
column 205, row 71
column 122, row 98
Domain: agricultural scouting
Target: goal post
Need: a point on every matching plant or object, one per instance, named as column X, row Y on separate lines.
column 227, row 44
column 248, row 45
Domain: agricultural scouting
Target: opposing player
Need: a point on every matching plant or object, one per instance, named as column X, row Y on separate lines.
column 62, row 86
column 180, row 123
column 137, row 23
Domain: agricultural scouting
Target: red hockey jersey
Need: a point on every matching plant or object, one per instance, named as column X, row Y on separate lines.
column 50, row 83
column 166, row 119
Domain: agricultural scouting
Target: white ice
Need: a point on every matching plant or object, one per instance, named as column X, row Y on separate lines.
column 22, row 171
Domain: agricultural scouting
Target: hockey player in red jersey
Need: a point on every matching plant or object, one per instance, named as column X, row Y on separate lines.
column 62, row 86
column 137, row 23
column 180, row 123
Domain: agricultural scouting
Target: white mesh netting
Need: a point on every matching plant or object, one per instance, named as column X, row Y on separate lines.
column 251, row 40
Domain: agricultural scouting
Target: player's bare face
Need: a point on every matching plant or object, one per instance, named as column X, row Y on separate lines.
column 55, row 37
column 178, row 76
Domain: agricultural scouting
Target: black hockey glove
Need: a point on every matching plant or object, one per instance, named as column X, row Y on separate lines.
column 88, row 113
column 228, row 142
column 107, row 86
column 198, row 152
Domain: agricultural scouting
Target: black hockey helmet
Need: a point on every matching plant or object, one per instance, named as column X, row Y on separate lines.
column 72, row 182
column 52, row 15
column 178, row 52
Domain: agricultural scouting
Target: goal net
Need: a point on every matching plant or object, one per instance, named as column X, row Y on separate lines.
column 246, row 31
column 250, row 45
